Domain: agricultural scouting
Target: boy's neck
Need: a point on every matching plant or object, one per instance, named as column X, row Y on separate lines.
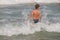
column 36, row 9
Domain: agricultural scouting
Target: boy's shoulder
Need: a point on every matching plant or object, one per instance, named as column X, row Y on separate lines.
column 34, row 10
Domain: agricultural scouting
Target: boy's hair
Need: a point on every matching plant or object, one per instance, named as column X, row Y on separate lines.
column 37, row 6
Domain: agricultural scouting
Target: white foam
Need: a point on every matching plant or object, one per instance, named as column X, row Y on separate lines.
column 28, row 1
column 26, row 29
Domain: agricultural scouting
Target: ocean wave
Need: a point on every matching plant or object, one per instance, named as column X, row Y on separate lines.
column 28, row 28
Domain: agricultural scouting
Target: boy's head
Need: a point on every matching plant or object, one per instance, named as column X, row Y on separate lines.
column 37, row 6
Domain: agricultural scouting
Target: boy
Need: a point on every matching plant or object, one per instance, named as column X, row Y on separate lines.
column 36, row 15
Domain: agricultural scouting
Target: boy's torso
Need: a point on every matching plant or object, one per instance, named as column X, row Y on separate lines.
column 36, row 14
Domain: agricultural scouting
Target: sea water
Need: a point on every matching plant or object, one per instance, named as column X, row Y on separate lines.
column 13, row 20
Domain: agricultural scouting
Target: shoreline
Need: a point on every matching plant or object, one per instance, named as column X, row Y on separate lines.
column 36, row 36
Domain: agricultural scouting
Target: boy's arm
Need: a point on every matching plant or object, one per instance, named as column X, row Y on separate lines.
column 30, row 15
column 40, row 17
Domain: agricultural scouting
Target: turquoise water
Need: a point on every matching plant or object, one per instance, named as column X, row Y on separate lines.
column 15, row 26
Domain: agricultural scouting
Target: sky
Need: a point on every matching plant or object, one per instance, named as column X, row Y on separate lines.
column 2, row 2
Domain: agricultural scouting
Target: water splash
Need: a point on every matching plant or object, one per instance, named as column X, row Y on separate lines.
column 13, row 25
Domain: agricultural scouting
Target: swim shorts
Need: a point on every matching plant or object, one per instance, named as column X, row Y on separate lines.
column 36, row 20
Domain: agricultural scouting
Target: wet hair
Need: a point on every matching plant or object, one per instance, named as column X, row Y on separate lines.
column 37, row 6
